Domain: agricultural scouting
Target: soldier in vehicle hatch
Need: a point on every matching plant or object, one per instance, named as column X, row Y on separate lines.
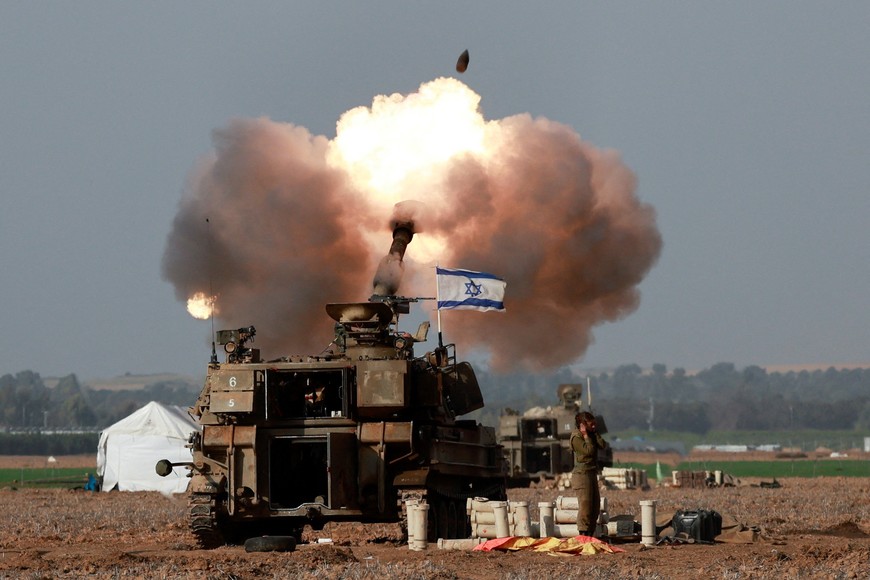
column 585, row 442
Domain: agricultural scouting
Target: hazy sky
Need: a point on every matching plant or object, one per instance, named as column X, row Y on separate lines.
column 747, row 125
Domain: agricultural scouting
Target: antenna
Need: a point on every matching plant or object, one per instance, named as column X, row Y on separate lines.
column 211, row 296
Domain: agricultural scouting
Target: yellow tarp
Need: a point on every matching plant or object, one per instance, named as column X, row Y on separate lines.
column 577, row 545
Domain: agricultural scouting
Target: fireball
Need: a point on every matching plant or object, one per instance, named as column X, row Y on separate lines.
column 201, row 306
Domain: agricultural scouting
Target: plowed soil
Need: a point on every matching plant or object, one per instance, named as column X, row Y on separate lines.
column 812, row 528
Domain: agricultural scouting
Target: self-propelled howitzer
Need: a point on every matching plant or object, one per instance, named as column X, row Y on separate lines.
column 343, row 436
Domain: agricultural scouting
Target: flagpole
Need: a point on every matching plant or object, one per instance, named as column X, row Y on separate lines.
column 437, row 308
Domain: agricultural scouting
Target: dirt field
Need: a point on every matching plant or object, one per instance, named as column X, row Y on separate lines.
column 815, row 528
column 85, row 462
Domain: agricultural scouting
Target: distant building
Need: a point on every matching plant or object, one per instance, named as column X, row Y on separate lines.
column 648, row 445
column 722, row 448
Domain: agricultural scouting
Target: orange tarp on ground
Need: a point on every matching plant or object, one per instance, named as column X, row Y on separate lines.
column 578, row 545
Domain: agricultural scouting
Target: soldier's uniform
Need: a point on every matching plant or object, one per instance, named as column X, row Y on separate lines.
column 584, row 479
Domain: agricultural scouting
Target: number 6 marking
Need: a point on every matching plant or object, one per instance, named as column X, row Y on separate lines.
column 233, row 382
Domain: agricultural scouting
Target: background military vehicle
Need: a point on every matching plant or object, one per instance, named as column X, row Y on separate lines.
column 537, row 444
column 346, row 435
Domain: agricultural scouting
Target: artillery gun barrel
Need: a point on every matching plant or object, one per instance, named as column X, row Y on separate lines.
column 403, row 232
column 389, row 274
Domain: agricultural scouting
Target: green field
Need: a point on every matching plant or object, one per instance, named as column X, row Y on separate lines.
column 76, row 477
column 805, row 439
column 766, row 469
column 44, row 477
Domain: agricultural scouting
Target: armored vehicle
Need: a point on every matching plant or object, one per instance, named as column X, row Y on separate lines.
column 347, row 435
column 537, row 443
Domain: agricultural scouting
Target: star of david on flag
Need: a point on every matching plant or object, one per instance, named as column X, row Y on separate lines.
column 468, row 290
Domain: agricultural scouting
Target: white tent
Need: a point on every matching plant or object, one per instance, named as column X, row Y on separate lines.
column 129, row 450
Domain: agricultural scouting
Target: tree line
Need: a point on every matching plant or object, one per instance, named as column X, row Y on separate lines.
column 48, row 444
column 719, row 398
column 27, row 403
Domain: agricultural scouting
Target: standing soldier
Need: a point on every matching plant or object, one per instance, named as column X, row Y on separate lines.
column 585, row 442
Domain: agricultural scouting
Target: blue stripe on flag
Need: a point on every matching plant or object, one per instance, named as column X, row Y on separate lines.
column 464, row 273
column 469, row 290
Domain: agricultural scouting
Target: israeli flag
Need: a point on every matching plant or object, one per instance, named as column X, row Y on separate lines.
column 468, row 290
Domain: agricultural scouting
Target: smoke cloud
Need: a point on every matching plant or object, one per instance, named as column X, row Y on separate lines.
column 296, row 221
column 280, row 240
